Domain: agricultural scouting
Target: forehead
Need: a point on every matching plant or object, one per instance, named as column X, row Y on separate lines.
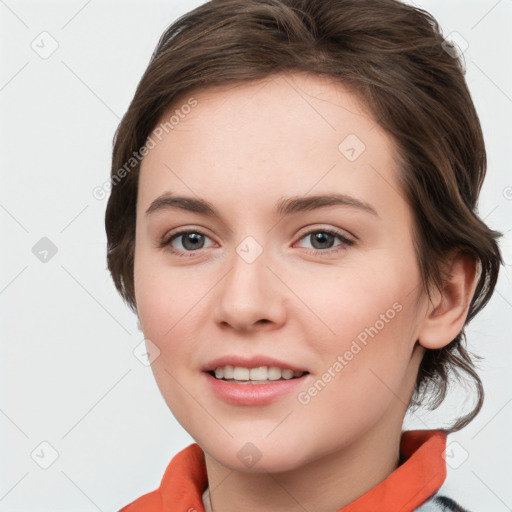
column 288, row 130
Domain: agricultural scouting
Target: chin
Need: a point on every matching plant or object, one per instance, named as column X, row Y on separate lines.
column 256, row 456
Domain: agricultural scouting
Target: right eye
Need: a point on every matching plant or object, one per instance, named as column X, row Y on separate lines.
column 190, row 241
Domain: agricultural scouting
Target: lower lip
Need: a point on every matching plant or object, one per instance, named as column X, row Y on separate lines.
column 253, row 394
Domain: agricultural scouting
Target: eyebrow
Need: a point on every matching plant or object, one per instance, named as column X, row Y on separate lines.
column 285, row 206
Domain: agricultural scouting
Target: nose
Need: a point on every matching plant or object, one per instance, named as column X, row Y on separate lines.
column 250, row 296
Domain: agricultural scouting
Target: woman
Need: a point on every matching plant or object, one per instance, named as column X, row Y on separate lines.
column 293, row 219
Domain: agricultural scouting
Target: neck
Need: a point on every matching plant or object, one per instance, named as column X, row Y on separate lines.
column 326, row 484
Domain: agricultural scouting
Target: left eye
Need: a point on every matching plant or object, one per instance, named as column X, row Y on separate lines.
column 322, row 240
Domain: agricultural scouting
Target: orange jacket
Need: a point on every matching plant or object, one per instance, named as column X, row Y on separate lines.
column 412, row 484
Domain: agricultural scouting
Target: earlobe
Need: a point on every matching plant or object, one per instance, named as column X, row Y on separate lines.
column 449, row 308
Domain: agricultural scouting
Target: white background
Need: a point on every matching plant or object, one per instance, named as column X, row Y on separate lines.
column 68, row 374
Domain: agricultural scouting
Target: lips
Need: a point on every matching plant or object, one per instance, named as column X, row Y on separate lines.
column 252, row 392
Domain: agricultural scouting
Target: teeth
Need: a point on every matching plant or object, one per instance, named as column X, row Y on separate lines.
column 241, row 373
column 287, row 374
column 258, row 373
column 261, row 373
column 274, row 373
column 229, row 372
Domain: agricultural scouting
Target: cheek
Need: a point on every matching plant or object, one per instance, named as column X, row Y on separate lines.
column 166, row 295
column 357, row 302
column 372, row 317
column 165, row 303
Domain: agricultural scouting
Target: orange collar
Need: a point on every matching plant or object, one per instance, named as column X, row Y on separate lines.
column 410, row 485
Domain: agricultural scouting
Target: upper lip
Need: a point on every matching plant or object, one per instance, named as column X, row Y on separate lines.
column 250, row 362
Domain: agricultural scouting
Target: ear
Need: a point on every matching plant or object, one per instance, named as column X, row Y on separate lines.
column 448, row 310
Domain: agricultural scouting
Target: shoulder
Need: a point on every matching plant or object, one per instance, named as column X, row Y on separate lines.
column 182, row 484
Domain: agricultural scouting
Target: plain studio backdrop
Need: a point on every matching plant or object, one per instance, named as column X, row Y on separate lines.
column 82, row 423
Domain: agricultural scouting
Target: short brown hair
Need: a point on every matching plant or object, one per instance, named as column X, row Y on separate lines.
column 395, row 59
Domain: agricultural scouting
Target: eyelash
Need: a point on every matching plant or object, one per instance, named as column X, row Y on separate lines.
column 166, row 242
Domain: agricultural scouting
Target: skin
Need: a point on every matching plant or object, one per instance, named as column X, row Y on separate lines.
column 242, row 148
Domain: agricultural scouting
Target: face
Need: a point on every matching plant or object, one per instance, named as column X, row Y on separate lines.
column 259, row 269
